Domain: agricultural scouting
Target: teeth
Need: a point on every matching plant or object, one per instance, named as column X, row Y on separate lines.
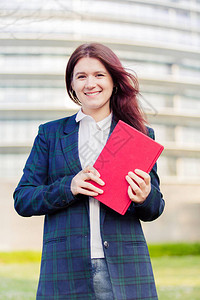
column 92, row 94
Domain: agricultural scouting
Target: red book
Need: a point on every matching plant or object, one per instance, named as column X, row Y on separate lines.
column 127, row 149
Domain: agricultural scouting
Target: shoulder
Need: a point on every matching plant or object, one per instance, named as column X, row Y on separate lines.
column 57, row 125
column 150, row 132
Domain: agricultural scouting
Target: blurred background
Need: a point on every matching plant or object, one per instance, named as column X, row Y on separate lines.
column 159, row 40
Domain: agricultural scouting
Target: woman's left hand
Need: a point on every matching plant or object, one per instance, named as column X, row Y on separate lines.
column 139, row 185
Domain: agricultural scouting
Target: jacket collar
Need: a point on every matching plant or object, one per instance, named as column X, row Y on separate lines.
column 73, row 126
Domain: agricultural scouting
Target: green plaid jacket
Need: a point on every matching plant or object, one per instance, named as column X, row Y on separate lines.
column 44, row 189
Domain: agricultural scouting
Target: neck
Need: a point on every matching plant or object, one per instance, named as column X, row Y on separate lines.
column 97, row 116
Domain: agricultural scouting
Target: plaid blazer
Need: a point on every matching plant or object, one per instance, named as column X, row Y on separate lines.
column 44, row 189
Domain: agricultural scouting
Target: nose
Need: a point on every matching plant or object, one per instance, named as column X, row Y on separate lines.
column 90, row 82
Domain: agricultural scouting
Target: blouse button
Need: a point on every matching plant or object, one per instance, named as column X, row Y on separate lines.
column 106, row 244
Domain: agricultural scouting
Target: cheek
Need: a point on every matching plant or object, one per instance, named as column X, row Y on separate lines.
column 76, row 87
column 110, row 89
column 111, row 86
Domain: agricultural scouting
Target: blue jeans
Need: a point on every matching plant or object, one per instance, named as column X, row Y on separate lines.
column 101, row 280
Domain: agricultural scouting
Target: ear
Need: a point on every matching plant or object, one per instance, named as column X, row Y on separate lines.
column 115, row 89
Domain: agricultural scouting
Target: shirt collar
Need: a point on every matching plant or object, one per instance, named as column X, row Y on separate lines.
column 102, row 125
column 80, row 116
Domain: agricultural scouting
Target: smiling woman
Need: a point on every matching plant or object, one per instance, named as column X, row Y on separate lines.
column 89, row 250
column 93, row 86
column 124, row 99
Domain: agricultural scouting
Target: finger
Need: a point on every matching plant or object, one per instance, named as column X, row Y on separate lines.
column 136, row 189
column 137, row 179
column 87, row 192
column 91, row 187
column 144, row 175
column 80, row 186
column 131, row 194
column 91, row 169
column 133, row 197
column 91, row 176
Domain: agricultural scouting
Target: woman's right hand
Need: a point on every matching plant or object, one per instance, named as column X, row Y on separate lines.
column 79, row 184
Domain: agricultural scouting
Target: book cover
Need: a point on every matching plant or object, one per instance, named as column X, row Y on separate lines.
column 127, row 149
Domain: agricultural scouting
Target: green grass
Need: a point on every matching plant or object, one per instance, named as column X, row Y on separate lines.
column 177, row 277
column 19, row 273
column 18, row 281
column 20, row 257
column 179, row 249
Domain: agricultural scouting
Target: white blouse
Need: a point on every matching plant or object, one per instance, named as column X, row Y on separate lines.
column 92, row 139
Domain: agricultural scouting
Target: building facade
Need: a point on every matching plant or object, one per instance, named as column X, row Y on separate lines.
column 159, row 40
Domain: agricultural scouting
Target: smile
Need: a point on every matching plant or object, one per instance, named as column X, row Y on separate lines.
column 92, row 93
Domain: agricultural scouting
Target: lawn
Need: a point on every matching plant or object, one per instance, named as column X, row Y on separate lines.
column 18, row 281
column 177, row 277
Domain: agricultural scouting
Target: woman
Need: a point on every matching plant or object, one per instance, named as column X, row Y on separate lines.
column 89, row 250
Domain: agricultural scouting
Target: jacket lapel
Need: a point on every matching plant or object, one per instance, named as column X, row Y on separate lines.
column 69, row 142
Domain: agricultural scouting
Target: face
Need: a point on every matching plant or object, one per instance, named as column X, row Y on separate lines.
column 93, row 86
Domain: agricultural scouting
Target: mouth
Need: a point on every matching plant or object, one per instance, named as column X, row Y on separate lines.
column 92, row 93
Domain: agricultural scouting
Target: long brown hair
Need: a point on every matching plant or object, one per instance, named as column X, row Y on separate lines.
column 124, row 100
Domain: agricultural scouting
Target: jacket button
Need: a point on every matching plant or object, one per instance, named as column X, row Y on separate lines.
column 106, row 244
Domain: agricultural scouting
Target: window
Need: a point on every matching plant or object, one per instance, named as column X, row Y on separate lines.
column 188, row 168
column 163, row 133
column 166, row 166
column 190, row 104
column 18, row 132
column 189, row 136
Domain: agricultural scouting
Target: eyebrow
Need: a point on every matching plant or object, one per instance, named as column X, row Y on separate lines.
column 96, row 72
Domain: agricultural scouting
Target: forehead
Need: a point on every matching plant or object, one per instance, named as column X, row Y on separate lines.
column 89, row 64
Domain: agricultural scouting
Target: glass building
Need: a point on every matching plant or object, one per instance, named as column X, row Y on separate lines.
column 159, row 40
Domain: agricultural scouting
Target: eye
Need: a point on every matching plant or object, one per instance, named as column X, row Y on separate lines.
column 81, row 77
column 100, row 75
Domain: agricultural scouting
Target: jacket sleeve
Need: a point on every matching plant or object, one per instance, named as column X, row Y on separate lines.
column 154, row 204
column 34, row 195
